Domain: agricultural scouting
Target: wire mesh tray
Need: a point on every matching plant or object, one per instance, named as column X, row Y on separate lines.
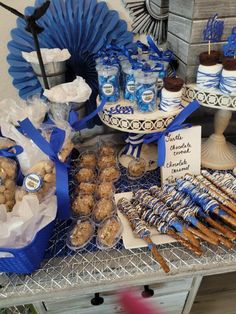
column 64, row 269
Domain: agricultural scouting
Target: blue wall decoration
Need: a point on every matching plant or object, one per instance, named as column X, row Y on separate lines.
column 83, row 27
column 213, row 30
column 230, row 47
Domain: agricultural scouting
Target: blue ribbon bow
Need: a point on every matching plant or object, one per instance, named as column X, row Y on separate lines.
column 77, row 124
column 12, row 151
column 175, row 125
column 52, row 150
column 166, row 55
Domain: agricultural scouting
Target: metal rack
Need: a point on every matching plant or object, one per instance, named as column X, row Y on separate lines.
column 63, row 270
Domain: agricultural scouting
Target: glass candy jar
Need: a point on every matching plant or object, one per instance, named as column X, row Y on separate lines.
column 146, row 91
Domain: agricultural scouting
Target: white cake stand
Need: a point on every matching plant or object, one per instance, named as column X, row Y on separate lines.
column 138, row 123
column 216, row 152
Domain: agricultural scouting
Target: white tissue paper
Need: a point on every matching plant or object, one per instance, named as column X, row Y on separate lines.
column 77, row 91
column 19, row 227
column 12, row 111
column 31, row 154
column 48, row 55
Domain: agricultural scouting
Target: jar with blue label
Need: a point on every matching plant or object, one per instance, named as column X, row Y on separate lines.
column 129, row 82
column 108, row 80
column 146, row 91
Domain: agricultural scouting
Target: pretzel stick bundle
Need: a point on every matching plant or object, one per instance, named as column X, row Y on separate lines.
column 206, row 187
column 208, row 204
column 160, row 209
column 185, row 200
column 188, row 214
column 223, row 182
column 141, row 230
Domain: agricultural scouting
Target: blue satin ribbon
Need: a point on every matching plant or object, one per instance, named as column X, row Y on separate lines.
column 8, row 153
column 175, row 125
column 52, row 150
column 166, row 55
column 78, row 125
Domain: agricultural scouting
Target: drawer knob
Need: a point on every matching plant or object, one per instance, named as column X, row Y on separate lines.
column 147, row 292
column 97, row 300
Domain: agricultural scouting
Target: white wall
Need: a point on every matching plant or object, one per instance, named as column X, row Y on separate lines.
column 7, row 22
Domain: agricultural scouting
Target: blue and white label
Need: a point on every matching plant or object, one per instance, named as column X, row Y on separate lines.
column 148, row 96
column 32, row 182
column 131, row 87
column 108, row 89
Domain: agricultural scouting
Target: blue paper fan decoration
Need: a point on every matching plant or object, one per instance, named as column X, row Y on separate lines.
column 81, row 26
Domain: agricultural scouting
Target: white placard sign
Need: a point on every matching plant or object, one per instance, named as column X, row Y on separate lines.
column 183, row 154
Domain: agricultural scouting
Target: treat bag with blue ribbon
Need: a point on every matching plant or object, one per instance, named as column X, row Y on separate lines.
column 108, row 80
column 128, row 82
column 146, row 91
column 8, row 172
column 51, row 170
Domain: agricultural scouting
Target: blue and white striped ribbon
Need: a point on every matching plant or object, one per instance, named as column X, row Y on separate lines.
column 168, row 104
column 133, row 147
column 208, row 79
column 228, row 84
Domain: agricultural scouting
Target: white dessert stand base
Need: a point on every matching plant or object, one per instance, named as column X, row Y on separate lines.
column 216, row 152
column 138, row 123
column 148, row 153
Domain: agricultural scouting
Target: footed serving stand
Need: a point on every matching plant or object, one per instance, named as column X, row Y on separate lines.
column 217, row 153
column 137, row 124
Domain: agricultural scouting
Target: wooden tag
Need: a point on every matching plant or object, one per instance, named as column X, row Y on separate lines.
column 183, row 154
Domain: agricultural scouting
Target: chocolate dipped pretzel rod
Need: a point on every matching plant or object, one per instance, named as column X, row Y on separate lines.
column 208, row 204
column 226, row 179
column 205, row 186
column 202, row 236
column 160, row 209
column 165, row 228
column 188, row 214
column 141, row 230
column 218, row 194
column 220, row 183
column 187, row 201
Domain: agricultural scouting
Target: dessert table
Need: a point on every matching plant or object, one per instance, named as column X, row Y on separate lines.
column 71, row 282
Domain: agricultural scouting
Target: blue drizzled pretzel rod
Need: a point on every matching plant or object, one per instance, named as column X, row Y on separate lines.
column 209, row 205
column 185, row 200
column 220, row 183
column 206, row 186
column 163, row 227
column 168, row 216
column 188, row 214
column 141, row 229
